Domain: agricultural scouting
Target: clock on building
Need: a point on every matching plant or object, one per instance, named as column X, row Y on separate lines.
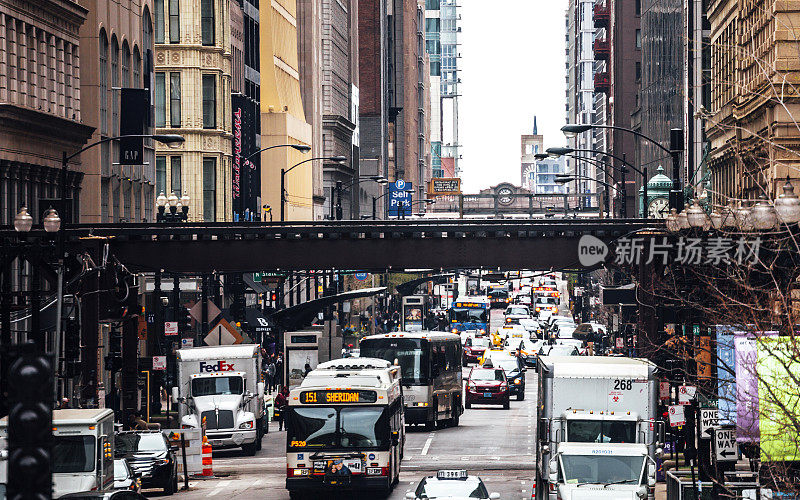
column 505, row 196
column 658, row 208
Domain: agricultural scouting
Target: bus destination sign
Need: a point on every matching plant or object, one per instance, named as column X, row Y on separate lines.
column 337, row 397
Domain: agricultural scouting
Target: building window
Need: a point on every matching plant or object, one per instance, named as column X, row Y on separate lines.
column 432, row 4
column 175, row 175
column 158, row 12
column 114, row 86
column 175, row 99
column 126, row 65
column 137, row 64
column 174, row 21
column 638, row 6
column 209, row 101
column 160, row 97
column 103, row 83
column 161, row 175
column 638, row 39
column 638, row 70
column 209, row 189
column 207, row 21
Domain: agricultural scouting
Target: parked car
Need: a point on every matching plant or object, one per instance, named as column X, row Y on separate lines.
column 124, row 477
column 150, row 456
column 487, row 386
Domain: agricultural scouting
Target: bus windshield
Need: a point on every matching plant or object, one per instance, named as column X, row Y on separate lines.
column 213, row 386
column 359, row 427
column 468, row 315
column 409, row 353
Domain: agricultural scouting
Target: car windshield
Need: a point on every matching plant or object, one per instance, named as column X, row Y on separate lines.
column 409, row 353
column 350, row 427
column 487, row 374
column 472, row 487
column 477, row 343
column 73, row 454
column 134, row 442
column 557, row 350
column 120, row 469
column 579, row 469
column 546, row 301
column 599, row 431
column 508, row 365
column 468, row 315
column 517, row 310
column 565, row 332
column 213, row 386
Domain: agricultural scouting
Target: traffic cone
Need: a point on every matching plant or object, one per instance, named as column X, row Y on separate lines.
column 207, row 466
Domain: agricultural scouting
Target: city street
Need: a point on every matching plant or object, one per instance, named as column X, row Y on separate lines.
column 497, row 445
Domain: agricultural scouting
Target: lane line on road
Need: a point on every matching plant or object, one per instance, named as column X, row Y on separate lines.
column 220, row 486
column 427, row 444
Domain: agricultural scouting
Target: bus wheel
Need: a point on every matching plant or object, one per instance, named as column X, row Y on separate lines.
column 456, row 415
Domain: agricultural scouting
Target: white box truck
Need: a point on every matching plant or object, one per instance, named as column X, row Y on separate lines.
column 83, row 450
column 594, row 400
column 222, row 385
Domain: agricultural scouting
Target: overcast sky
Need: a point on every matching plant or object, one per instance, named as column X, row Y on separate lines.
column 512, row 68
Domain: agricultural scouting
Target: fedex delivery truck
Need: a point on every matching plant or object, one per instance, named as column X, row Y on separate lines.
column 222, row 386
column 83, row 450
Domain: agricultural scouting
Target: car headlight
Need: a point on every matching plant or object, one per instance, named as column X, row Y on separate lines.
column 160, row 462
column 246, row 425
column 517, row 381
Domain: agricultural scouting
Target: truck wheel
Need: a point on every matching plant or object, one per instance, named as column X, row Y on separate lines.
column 507, row 404
column 456, row 415
column 249, row 449
column 169, row 489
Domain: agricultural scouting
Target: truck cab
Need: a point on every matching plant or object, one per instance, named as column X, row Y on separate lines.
column 601, row 471
column 221, row 391
column 83, row 450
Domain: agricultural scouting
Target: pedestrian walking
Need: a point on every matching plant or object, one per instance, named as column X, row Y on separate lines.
column 279, row 370
column 271, row 372
column 281, row 404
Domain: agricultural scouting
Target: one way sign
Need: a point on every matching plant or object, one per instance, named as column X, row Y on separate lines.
column 725, row 445
column 709, row 419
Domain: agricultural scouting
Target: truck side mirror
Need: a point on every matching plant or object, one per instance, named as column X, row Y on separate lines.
column 175, row 395
column 553, row 477
column 260, row 388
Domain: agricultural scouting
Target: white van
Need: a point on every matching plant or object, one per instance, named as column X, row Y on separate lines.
column 83, row 450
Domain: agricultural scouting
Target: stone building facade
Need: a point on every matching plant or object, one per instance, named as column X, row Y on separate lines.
column 192, row 97
column 40, row 104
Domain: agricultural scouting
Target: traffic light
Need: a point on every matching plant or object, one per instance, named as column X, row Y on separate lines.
column 72, row 348
column 114, row 358
column 184, row 321
column 30, row 420
column 274, row 298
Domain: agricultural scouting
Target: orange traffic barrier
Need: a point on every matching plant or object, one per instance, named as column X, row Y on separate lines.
column 207, row 466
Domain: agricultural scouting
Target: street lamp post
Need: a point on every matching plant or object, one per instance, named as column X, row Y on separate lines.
column 297, row 147
column 336, row 159
column 339, row 188
column 563, row 179
column 676, row 146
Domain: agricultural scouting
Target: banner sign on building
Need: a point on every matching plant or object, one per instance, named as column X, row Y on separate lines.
column 134, row 106
column 246, row 185
column 444, row 186
column 400, row 195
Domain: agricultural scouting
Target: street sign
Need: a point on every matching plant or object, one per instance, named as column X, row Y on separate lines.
column 159, row 362
column 663, row 390
column 620, row 343
column 400, row 196
column 224, row 333
column 187, row 343
column 263, row 275
column 196, row 311
column 361, row 276
column 170, row 328
column 677, row 416
column 725, row 449
column 686, row 394
column 441, row 186
column 709, row 419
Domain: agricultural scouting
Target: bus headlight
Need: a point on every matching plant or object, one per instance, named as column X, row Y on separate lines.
column 421, row 403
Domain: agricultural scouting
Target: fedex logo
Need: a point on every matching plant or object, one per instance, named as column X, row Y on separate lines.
column 220, row 366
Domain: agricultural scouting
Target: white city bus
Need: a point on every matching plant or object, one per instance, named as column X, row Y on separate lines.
column 345, row 428
column 430, row 364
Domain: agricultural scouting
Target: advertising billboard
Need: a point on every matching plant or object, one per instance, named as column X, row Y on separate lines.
column 246, row 181
column 444, row 186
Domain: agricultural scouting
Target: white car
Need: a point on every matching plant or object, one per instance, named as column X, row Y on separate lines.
column 452, row 485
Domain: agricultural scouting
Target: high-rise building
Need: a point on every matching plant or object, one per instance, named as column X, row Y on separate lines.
column 119, row 52
column 530, row 145
column 751, row 121
column 373, row 109
column 441, row 43
column 41, row 105
column 192, row 97
column 538, row 175
column 283, row 119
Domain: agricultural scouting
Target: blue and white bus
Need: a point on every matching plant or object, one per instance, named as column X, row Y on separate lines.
column 470, row 315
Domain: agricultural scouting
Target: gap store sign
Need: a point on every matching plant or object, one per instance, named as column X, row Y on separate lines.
column 400, row 195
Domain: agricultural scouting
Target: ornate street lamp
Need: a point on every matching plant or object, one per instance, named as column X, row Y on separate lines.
column 683, row 221
column 764, row 215
column 672, row 221
column 51, row 221
column 23, row 222
column 716, row 219
column 744, row 218
column 787, row 205
column 697, row 218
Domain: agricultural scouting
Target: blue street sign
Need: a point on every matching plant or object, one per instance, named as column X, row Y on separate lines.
column 361, row 276
column 400, row 198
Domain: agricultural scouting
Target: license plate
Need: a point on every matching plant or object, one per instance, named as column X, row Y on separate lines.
column 373, row 471
column 487, row 394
